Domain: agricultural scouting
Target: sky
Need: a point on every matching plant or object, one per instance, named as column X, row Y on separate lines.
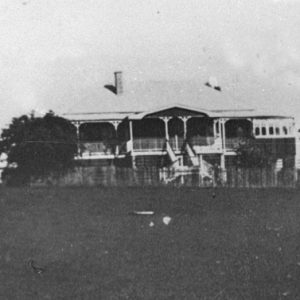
column 53, row 50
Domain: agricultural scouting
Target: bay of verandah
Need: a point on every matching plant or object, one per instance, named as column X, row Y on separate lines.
column 219, row 244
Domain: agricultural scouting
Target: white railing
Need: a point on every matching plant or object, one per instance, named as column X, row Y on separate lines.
column 148, row 144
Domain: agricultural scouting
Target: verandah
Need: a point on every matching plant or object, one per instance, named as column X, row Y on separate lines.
column 150, row 134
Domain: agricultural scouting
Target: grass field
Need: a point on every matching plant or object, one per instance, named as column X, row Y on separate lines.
column 238, row 244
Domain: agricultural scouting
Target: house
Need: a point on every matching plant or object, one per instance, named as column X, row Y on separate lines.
column 181, row 125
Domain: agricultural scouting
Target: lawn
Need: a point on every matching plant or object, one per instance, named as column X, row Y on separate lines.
column 220, row 244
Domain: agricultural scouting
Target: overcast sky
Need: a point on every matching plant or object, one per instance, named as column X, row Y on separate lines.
column 51, row 50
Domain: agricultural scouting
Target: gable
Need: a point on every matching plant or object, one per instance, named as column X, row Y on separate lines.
column 176, row 112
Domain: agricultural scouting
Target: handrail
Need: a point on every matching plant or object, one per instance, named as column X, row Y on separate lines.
column 191, row 154
column 170, row 152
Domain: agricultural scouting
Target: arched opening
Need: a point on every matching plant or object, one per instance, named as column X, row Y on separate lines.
column 97, row 138
column 150, row 128
column 200, row 131
column 148, row 134
column 237, row 131
column 176, row 133
column 257, row 131
column 93, row 132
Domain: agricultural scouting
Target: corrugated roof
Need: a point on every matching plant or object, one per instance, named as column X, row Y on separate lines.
column 97, row 116
column 143, row 97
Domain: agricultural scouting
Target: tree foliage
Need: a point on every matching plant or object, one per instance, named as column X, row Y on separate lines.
column 37, row 146
column 251, row 154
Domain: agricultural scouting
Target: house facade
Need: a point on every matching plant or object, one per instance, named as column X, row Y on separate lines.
column 183, row 128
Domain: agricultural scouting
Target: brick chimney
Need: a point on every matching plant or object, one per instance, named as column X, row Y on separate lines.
column 118, row 82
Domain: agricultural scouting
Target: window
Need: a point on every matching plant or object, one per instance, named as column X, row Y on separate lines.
column 263, row 131
column 285, row 131
column 277, row 130
column 257, row 131
column 271, row 130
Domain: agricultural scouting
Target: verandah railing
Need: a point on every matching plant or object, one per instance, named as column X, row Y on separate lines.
column 176, row 142
column 154, row 144
column 202, row 140
column 138, row 144
column 149, row 144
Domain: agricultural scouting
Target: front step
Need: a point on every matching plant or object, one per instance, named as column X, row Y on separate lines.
column 183, row 171
column 179, row 168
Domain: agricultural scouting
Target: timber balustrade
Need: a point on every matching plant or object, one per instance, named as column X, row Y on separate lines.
column 156, row 145
column 149, row 144
column 176, row 143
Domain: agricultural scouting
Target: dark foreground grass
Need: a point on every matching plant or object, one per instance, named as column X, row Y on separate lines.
column 241, row 244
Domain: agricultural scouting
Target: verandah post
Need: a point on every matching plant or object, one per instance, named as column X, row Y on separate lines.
column 131, row 132
column 131, row 140
column 77, row 125
column 184, row 119
column 166, row 120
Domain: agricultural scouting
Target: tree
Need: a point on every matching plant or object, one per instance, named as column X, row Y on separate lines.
column 251, row 154
column 37, row 147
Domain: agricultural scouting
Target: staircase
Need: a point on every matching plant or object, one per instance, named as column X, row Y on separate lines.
column 204, row 167
column 192, row 156
column 174, row 159
column 178, row 169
